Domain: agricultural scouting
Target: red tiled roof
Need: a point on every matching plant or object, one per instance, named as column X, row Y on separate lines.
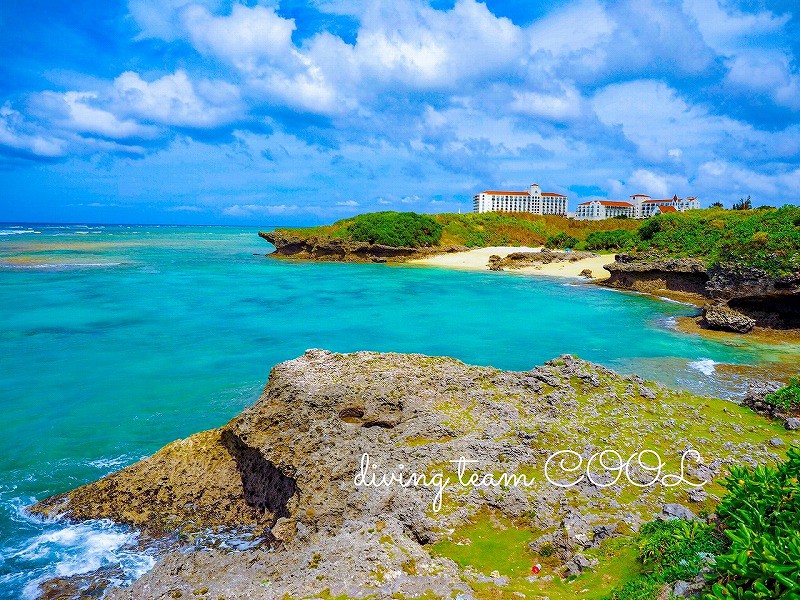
column 553, row 194
column 500, row 193
column 658, row 201
column 667, row 209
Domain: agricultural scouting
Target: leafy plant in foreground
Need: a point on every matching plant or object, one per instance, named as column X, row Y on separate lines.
column 669, row 551
column 762, row 514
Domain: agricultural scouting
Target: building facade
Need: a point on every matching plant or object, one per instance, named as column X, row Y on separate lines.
column 641, row 206
column 532, row 200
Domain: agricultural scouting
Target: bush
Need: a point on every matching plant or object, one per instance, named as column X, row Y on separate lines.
column 396, row 229
column 761, row 512
column 609, row 240
column 788, row 397
column 669, row 551
column 561, row 240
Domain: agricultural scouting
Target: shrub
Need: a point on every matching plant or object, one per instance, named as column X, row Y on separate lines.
column 650, row 227
column 561, row 240
column 391, row 228
column 609, row 240
column 788, row 397
column 669, row 551
column 761, row 512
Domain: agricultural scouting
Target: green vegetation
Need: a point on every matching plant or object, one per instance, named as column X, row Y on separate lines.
column 765, row 237
column 787, row 398
column 562, row 240
column 616, row 239
column 768, row 239
column 761, row 513
column 669, row 551
column 395, row 229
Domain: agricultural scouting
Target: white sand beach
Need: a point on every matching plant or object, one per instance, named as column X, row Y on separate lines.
column 478, row 259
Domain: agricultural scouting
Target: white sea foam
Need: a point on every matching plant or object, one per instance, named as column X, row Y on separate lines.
column 61, row 266
column 65, row 550
column 16, row 231
column 705, row 365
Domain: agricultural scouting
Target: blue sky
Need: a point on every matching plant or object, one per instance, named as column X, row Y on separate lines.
column 206, row 111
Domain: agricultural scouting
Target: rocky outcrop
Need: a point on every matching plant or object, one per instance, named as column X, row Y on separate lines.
column 723, row 317
column 744, row 297
column 771, row 301
column 651, row 274
column 283, row 473
column 323, row 248
column 519, row 260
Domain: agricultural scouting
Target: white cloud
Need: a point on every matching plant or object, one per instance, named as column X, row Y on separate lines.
column 558, row 107
column 247, row 38
column 248, row 210
column 185, row 208
column 17, row 134
column 408, row 42
column 81, row 112
column 768, row 72
column 176, row 100
column 660, row 123
column 727, row 29
column 347, row 203
column 575, row 28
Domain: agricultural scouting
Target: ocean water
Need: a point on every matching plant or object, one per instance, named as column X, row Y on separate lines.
column 116, row 340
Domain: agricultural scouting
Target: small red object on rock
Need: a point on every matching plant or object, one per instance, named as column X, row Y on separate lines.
column 535, row 569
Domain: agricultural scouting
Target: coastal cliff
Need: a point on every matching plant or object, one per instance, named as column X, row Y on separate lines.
column 324, row 248
column 283, row 472
column 737, row 297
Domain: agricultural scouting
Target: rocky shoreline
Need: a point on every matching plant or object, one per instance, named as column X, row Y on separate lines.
column 323, row 248
column 283, row 471
column 734, row 297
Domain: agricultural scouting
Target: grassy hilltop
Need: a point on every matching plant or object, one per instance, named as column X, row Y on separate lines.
column 765, row 238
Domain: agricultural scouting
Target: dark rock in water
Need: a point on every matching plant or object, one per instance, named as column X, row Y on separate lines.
column 586, row 273
column 723, row 317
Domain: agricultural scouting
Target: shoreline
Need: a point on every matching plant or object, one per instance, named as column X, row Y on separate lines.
column 478, row 260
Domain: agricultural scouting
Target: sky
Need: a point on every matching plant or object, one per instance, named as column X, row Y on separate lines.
column 292, row 112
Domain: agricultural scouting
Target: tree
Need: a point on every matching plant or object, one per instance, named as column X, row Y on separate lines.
column 717, row 204
column 743, row 204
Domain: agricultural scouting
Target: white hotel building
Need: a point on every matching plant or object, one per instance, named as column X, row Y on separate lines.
column 532, row 200
column 640, row 207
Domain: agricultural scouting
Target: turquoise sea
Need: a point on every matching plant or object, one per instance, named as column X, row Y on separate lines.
column 116, row 340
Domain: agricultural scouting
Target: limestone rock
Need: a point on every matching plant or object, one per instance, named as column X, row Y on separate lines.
column 676, row 511
column 721, row 316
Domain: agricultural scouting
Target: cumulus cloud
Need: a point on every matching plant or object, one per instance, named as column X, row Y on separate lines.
column 19, row 135
column 82, row 112
column 176, row 100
